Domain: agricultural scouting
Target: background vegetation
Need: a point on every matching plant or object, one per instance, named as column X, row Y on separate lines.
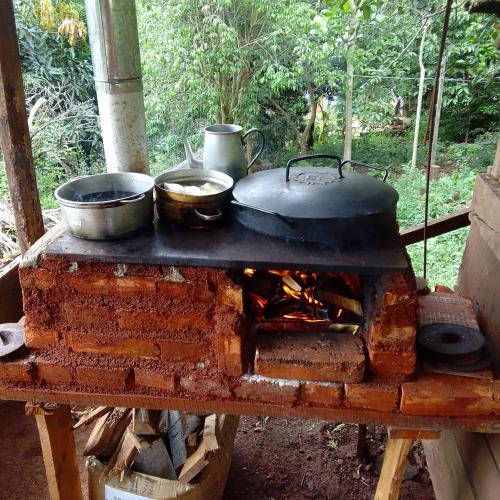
column 279, row 65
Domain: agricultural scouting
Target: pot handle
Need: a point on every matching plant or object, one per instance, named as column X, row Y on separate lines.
column 263, row 210
column 310, row 157
column 208, row 218
column 365, row 165
column 131, row 200
column 262, row 146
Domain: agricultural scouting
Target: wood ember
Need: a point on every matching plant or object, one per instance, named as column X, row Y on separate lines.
column 330, row 298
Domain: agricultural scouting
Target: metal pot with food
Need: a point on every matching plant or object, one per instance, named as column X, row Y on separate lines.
column 106, row 206
column 193, row 197
column 324, row 205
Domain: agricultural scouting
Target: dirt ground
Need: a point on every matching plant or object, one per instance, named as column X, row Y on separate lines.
column 272, row 459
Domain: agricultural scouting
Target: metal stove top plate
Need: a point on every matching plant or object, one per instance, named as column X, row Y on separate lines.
column 229, row 246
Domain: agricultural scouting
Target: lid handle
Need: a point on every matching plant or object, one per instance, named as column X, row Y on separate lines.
column 365, row 165
column 310, row 157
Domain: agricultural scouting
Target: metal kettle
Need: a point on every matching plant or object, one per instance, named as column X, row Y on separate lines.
column 223, row 150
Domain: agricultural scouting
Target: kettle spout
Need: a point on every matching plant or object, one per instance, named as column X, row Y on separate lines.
column 192, row 161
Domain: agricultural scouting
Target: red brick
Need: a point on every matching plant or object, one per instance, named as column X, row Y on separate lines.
column 392, row 312
column 40, row 338
column 321, row 393
column 185, row 290
column 106, row 378
column 449, row 395
column 205, row 387
column 155, row 379
column 34, row 277
column 52, row 373
column 145, row 320
column 232, row 296
column 111, row 285
column 84, row 342
column 229, row 355
column 183, row 351
column 16, row 371
column 311, row 357
column 387, row 365
column 372, row 396
column 273, row 390
column 97, row 316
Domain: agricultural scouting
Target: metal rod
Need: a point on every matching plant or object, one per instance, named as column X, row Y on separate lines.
column 431, row 133
column 15, row 137
column 114, row 42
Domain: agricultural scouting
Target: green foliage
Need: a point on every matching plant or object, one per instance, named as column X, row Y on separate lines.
column 60, row 99
column 447, row 194
column 477, row 155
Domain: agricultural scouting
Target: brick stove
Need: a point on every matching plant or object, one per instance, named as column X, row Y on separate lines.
column 170, row 311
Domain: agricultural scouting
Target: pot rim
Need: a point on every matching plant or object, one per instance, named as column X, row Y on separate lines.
column 214, row 176
column 223, row 129
column 104, row 204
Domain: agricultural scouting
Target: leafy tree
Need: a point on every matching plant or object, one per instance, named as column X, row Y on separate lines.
column 223, row 60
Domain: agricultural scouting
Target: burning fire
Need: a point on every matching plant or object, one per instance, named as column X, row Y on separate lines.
column 310, row 297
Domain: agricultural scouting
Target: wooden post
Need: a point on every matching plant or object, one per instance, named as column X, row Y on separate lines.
column 59, row 454
column 398, row 445
column 361, row 445
column 14, row 135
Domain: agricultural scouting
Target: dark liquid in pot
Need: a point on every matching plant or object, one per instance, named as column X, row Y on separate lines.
column 103, row 196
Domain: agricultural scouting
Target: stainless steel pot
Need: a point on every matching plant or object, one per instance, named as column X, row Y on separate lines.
column 192, row 210
column 106, row 206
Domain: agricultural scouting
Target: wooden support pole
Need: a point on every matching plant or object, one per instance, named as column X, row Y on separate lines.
column 59, row 454
column 389, row 483
column 361, row 445
column 399, row 443
column 15, row 137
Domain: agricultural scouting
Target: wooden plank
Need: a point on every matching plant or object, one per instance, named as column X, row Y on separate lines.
column 11, row 299
column 194, row 464
column 59, row 454
column 210, row 432
column 449, row 477
column 495, row 168
column 108, row 432
column 15, row 137
column 414, row 434
column 90, row 417
column 479, row 464
column 393, row 468
column 206, row 406
column 436, row 227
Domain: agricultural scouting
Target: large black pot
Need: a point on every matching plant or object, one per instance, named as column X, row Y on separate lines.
column 320, row 205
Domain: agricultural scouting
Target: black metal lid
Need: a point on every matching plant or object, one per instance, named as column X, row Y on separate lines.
column 316, row 192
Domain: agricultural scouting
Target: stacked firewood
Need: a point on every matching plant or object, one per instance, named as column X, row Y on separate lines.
column 167, row 444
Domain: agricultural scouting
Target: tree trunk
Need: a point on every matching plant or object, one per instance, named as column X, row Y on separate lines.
column 348, row 111
column 420, row 97
column 439, row 102
column 306, row 139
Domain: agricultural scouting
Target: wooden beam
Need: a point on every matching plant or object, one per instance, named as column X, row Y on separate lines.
column 15, row 137
column 59, row 454
column 488, row 423
column 11, row 299
column 436, row 227
column 393, row 468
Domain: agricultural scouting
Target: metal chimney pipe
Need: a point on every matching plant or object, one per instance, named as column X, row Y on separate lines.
column 114, row 42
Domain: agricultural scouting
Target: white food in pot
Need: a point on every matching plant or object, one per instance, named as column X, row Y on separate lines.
column 205, row 189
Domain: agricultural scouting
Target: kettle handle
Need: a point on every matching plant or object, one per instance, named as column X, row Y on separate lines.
column 263, row 145
column 311, row 157
column 365, row 165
